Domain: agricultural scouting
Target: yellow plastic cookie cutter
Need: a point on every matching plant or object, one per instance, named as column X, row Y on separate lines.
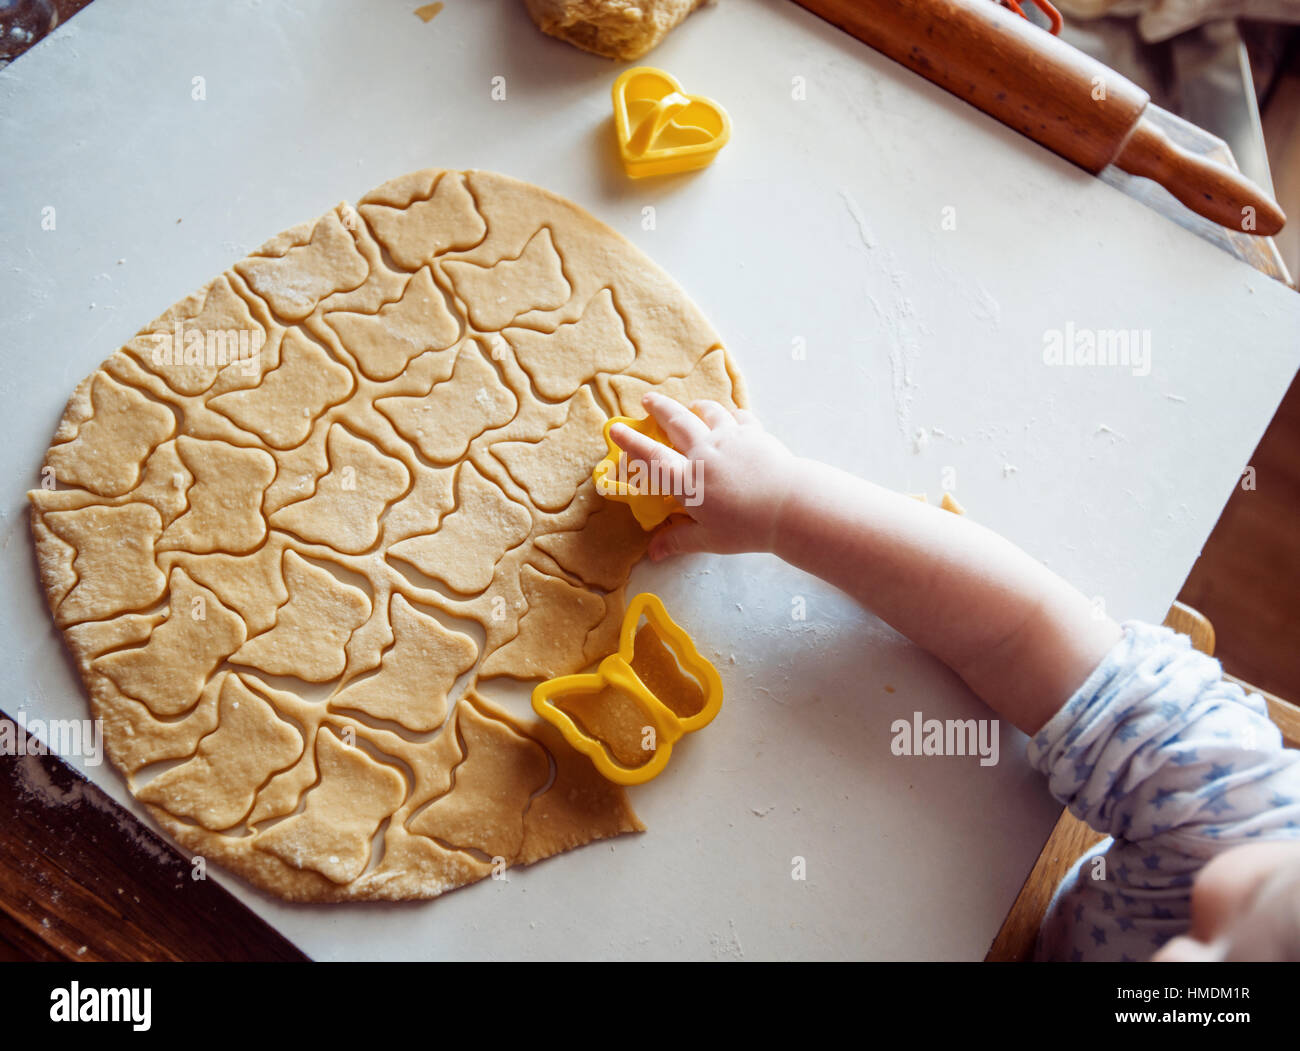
column 649, row 509
column 660, row 128
column 616, row 670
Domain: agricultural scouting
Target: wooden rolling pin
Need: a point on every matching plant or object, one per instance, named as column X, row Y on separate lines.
column 1055, row 94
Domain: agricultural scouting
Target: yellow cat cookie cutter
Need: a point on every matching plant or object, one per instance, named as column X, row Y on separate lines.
column 616, row 671
column 660, row 128
column 649, row 509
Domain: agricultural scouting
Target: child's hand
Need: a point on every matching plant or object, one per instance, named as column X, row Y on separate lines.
column 728, row 472
column 1020, row 636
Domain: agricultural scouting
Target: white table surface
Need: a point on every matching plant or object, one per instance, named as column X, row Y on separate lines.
column 820, row 222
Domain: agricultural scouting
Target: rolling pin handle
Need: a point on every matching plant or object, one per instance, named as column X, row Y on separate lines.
column 1208, row 188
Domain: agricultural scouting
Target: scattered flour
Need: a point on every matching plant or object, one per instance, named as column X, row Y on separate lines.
column 864, row 231
column 727, row 944
column 984, row 307
column 903, row 352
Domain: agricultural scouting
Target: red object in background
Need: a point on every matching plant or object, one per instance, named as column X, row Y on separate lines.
column 1044, row 6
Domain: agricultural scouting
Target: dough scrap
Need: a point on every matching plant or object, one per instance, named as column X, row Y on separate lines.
column 603, row 550
column 498, row 293
column 710, row 378
column 291, row 397
column 383, row 343
column 311, row 629
column 333, row 834
column 110, row 447
column 501, row 770
column 344, row 511
column 443, row 422
column 428, row 500
column 217, row 785
column 552, row 468
column 552, row 632
column 359, row 460
column 167, row 674
column 469, row 542
column 560, row 362
column 297, row 470
column 225, row 498
column 294, row 282
column 54, row 559
column 114, row 563
column 166, row 482
column 415, row 676
column 416, row 231
column 579, row 806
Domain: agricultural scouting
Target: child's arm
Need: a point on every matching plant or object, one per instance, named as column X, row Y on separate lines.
column 1020, row 636
column 1178, row 766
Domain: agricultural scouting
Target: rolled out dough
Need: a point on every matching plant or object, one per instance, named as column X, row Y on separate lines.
column 300, row 522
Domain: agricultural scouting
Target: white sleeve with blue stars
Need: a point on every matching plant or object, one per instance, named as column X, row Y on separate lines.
column 1176, row 765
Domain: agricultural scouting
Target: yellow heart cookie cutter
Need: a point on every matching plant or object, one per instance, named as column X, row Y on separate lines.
column 660, row 128
column 649, row 509
column 616, row 671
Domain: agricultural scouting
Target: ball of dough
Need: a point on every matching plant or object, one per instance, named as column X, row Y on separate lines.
column 618, row 29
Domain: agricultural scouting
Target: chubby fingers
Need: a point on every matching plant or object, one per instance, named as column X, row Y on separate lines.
column 683, row 427
column 713, row 414
column 678, row 537
column 672, row 465
column 642, row 447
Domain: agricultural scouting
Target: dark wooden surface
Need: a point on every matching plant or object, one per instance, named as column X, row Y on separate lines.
column 81, row 879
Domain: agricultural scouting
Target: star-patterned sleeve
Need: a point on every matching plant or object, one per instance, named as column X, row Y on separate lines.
column 1173, row 763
